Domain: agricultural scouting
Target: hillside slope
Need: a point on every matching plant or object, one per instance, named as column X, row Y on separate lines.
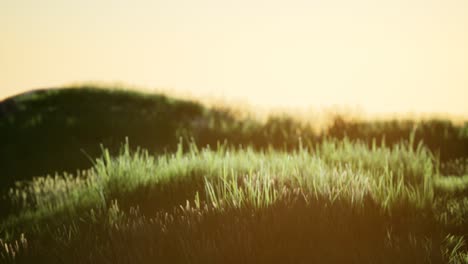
column 48, row 131
column 58, row 130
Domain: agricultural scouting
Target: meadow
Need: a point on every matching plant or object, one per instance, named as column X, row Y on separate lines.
column 110, row 176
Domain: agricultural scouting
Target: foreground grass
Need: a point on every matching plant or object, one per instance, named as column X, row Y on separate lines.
column 340, row 202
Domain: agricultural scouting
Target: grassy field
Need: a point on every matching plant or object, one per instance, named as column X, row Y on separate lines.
column 192, row 184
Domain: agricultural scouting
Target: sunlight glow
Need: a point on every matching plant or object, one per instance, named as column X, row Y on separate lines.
column 382, row 56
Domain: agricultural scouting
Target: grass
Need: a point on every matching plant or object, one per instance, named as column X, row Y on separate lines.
column 340, row 201
column 71, row 124
column 275, row 191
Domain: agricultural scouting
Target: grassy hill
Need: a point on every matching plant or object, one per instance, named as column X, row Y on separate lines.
column 233, row 190
column 69, row 125
column 58, row 130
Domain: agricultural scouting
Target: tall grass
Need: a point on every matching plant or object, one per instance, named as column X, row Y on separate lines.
column 333, row 168
column 71, row 124
column 340, row 201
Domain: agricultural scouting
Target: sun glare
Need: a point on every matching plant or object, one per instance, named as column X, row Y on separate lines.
column 382, row 57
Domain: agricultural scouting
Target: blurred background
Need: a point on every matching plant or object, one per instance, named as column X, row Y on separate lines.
column 378, row 56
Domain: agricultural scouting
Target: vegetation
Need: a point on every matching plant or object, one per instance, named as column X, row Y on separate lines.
column 72, row 124
column 273, row 192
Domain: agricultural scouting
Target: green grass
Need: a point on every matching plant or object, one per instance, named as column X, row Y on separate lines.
column 275, row 191
column 339, row 202
column 71, row 124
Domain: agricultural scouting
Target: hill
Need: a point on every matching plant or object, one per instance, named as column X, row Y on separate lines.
column 58, row 130
column 204, row 185
column 48, row 131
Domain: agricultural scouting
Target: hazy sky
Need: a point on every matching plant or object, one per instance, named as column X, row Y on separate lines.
column 384, row 56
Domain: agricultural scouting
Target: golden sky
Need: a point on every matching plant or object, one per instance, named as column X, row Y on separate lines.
column 382, row 56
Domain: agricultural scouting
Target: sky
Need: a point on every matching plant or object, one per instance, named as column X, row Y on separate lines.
column 397, row 56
